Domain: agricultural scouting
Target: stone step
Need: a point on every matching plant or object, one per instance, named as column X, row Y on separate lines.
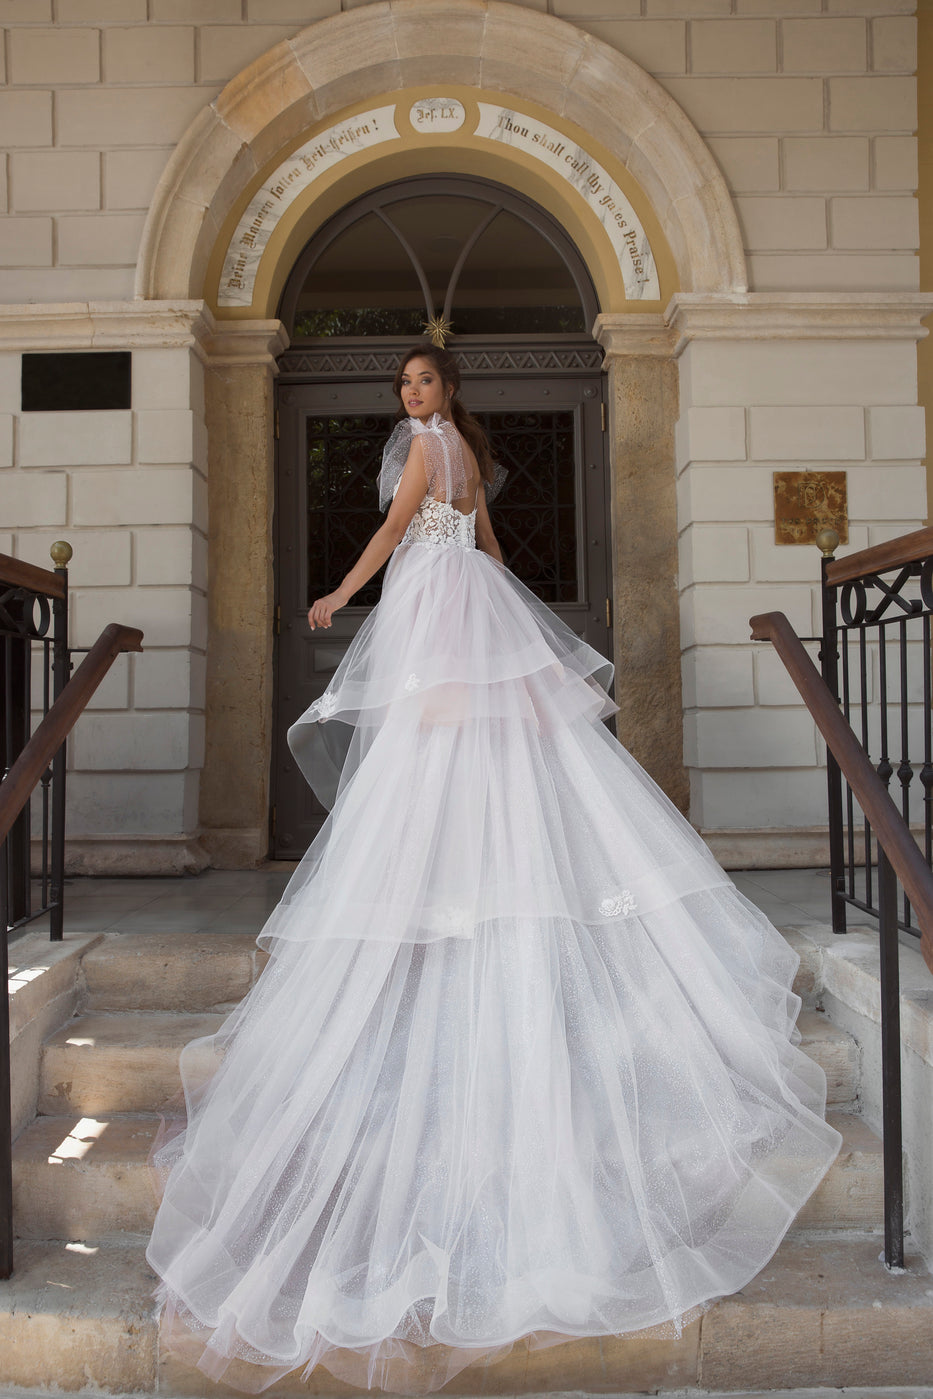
column 82, row 1319
column 79, row 1318
column 837, row 1054
column 119, row 1062
column 170, row 971
column 84, row 1177
column 213, row 971
column 127, row 1061
column 88, row 1178
column 851, row 1195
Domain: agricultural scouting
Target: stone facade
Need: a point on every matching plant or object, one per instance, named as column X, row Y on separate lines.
column 782, row 190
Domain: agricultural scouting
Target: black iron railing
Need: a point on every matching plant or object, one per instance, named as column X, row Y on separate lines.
column 891, row 848
column 34, row 668
column 28, row 598
column 875, row 656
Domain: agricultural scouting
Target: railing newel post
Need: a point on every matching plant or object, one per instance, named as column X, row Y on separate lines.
column 6, row 1104
column 828, row 541
column 892, row 1132
column 61, row 553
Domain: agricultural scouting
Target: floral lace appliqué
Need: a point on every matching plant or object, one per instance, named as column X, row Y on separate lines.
column 619, row 905
column 439, row 523
column 325, row 706
column 413, row 683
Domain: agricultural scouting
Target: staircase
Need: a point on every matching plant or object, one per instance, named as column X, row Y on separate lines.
column 78, row 1315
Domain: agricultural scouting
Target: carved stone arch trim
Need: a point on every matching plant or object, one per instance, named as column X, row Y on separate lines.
column 383, row 47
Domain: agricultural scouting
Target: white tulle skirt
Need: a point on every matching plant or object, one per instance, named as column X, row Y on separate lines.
column 522, row 1062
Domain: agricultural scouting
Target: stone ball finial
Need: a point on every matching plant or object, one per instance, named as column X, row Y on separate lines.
column 61, row 552
column 827, row 541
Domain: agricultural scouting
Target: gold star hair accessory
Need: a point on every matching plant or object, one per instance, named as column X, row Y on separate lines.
column 438, row 329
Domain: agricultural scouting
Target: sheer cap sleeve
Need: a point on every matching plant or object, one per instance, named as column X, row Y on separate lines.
column 444, row 466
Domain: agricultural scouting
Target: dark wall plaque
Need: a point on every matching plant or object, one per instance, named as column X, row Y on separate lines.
column 75, row 380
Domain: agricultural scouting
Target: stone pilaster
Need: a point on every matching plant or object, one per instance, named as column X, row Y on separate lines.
column 240, row 417
column 642, row 415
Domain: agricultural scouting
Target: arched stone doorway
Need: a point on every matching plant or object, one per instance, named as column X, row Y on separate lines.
column 521, row 303
column 525, row 100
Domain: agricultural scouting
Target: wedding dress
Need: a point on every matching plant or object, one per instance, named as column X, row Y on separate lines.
column 522, row 1063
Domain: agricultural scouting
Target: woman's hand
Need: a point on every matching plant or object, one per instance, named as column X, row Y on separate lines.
column 324, row 608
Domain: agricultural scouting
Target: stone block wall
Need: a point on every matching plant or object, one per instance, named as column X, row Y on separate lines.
column 749, row 409
column 810, row 109
column 128, row 491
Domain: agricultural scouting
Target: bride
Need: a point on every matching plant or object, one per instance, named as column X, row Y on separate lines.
column 522, row 1064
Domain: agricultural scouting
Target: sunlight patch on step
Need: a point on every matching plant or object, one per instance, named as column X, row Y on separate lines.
column 88, row 1249
column 79, row 1141
column 22, row 976
column 81, row 1041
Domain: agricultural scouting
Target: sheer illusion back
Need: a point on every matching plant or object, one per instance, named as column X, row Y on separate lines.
column 447, row 514
column 450, row 477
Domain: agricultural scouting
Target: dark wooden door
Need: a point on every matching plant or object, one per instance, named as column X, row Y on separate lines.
column 552, row 520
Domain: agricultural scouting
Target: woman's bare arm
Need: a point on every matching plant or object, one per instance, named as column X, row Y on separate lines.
column 485, row 537
column 388, row 536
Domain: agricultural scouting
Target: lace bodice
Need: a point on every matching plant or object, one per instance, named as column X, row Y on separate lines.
column 437, row 522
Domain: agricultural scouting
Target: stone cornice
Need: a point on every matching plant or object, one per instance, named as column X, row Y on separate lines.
column 842, row 315
column 105, row 325
column 795, row 315
column 245, row 342
column 135, row 325
column 620, row 333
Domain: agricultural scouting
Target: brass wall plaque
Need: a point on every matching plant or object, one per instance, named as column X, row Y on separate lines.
column 806, row 502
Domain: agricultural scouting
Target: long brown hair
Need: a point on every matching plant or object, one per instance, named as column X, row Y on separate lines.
column 463, row 419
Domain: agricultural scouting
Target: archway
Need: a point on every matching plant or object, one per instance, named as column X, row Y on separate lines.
column 355, row 58
column 504, row 274
column 643, row 196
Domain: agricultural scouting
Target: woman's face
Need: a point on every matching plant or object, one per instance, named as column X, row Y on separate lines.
column 423, row 390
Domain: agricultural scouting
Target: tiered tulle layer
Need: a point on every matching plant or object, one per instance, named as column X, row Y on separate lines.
column 522, row 1061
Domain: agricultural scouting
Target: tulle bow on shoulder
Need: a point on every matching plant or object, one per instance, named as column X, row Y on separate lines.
column 444, row 465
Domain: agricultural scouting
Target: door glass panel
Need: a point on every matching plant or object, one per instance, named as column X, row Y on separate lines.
column 344, row 454
column 365, row 282
column 362, row 284
column 438, row 227
column 515, row 282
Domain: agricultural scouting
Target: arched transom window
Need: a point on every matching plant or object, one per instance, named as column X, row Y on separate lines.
column 486, row 259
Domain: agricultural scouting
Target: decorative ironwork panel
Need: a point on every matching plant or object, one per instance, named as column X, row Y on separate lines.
column 24, row 613
column 877, row 657
column 366, row 362
column 344, row 453
column 536, row 514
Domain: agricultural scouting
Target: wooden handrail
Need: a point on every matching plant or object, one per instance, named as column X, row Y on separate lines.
column 14, row 573
column 16, row 787
column 894, row 553
column 886, row 821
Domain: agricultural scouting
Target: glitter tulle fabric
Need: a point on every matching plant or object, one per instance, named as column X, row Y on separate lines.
column 522, row 1064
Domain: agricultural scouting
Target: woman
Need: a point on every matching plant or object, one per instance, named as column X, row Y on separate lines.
column 521, row 1064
